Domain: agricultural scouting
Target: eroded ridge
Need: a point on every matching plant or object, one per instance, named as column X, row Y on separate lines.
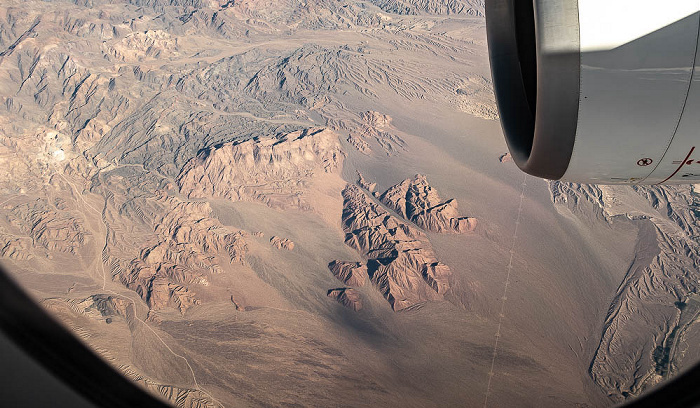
column 643, row 322
column 184, row 255
column 415, row 200
column 43, row 226
column 401, row 262
column 350, row 273
column 347, row 297
column 282, row 243
column 274, row 171
column 458, row 7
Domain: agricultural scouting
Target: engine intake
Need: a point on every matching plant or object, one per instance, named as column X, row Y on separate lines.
column 596, row 91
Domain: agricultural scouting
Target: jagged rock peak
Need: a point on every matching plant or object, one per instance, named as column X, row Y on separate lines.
column 282, row 243
column 364, row 183
column 415, row 200
column 347, row 297
column 350, row 273
column 401, row 261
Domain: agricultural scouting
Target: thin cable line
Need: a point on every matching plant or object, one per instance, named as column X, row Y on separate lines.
column 501, row 314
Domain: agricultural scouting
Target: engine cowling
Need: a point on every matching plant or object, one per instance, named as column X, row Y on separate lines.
column 599, row 91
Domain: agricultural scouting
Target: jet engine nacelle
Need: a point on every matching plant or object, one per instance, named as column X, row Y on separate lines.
column 599, row 91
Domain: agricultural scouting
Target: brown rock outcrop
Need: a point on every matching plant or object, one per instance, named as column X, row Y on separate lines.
column 350, row 273
column 164, row 293
column 347, row 297
column 274, row 171
column 358, row 142
column 57, row 233
column 400, row 257
column 282, row 243
column 189, row 241
column 48, row 228
column 105, row 305
column 437, row 275
column 365, row 184
column 15, row 248
column 415, row 200
column 237, row 303
column 142, row 45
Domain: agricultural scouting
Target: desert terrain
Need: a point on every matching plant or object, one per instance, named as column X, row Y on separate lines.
column 308, row 203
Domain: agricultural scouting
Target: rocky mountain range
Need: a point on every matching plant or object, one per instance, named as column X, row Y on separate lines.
column 309, row 203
